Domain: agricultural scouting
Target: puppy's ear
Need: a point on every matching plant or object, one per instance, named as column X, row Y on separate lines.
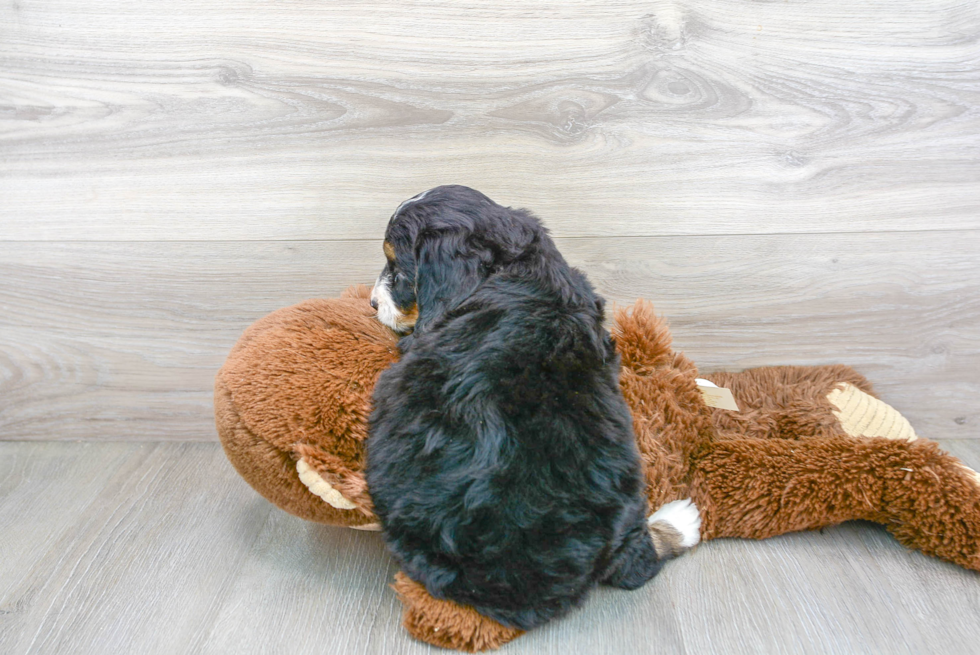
column 450, row 265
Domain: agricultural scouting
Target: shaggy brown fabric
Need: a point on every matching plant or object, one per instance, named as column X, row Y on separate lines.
column 298, row 385
column 670, row 419
column 784, row 462
column 776, row 403
column 446, row 624
column 783, row 402
column 798, row 469
column 757, row 488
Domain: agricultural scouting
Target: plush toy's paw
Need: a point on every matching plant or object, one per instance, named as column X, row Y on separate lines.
column 862, row 415
column 675, row 527
column 320, row 487
column 332, row 481
column 446, row 624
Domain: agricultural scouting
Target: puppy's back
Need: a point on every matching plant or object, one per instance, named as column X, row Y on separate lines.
column 501, row 459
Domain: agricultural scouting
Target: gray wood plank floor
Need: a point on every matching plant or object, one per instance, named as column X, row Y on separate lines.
column 161, row 548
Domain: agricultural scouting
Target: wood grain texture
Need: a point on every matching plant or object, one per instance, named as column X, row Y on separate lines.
column 122, row 340
column 166, row 121
column 162, row 548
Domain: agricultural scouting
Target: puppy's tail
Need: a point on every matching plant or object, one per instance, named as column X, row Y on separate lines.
column 675, row 528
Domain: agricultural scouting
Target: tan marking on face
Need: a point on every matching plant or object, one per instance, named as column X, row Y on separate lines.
column 389, row 251
column 408, row 319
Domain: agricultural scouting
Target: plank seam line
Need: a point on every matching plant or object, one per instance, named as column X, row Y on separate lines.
column 569, row 237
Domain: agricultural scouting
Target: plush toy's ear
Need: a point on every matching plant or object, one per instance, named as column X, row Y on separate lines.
column 450, row 265
column 359, row 291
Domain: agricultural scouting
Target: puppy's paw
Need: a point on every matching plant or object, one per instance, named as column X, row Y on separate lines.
column 675, row 527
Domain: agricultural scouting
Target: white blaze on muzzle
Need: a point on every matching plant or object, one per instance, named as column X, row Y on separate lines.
column 388, row 312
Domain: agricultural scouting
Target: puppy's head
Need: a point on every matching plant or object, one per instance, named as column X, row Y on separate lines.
column 394, row 293
column 440, row 246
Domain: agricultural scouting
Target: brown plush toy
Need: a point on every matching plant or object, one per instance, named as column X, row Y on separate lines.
column 811, row 446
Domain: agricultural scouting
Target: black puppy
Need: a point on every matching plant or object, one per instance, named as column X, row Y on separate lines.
column 501, row 457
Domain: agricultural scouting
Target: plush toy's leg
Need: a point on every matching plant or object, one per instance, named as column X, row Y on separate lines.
column 450, row 625
column 445, row 624
column 758, row 488
column 826, row 450
column 786, row 402
column 936, row 507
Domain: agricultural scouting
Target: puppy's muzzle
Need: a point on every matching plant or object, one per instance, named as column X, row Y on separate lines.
column 388, row 312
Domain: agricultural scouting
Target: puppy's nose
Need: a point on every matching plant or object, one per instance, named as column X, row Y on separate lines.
column 374, row 303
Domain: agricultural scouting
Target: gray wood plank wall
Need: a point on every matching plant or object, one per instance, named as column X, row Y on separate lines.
column 793, row 182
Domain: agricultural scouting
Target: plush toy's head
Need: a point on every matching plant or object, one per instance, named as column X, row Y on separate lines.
column 292, row 403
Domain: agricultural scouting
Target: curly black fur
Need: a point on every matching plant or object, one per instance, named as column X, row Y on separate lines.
column 501, row 457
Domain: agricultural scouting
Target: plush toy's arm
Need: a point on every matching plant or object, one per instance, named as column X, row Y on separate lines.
column 786, row 402
column 444, row 623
